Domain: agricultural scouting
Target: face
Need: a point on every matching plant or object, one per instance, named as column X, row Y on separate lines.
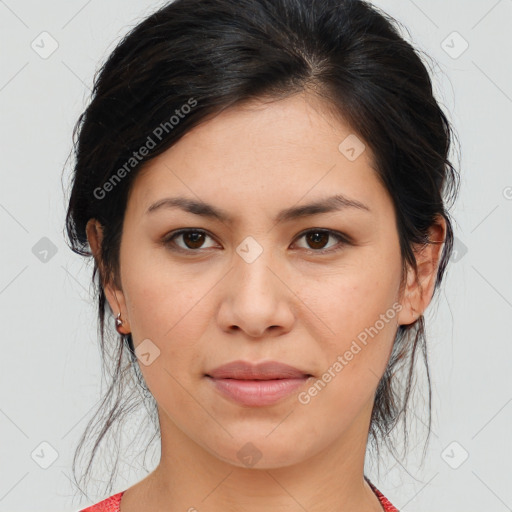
column 316, row 289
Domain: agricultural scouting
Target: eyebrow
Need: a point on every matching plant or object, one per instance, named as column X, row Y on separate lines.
column 334, row 203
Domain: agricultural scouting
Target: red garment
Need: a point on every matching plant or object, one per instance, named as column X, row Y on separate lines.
column 386, row 504
column 112, row 504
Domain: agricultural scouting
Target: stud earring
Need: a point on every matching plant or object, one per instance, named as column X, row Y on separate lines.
column 119, row 323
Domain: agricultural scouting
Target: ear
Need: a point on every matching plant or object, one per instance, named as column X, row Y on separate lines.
column 420, row 288
column 113, row 294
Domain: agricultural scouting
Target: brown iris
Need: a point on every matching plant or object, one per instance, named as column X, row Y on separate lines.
column 313, row 238
column 195, row 238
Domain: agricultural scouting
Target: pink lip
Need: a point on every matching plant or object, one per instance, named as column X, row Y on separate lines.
column 267, row 370
column 257, row 384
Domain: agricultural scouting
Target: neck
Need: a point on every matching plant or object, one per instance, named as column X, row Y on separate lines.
column 191, row 477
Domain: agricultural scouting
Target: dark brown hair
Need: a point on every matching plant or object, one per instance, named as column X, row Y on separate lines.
column 215, row 54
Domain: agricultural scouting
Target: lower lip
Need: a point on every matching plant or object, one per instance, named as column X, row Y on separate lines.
column 257, row 393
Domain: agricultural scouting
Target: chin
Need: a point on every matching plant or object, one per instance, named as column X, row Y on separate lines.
column 261, row 452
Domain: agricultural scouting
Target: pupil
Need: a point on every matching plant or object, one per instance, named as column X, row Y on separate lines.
column 195, row 238
column 314, row 235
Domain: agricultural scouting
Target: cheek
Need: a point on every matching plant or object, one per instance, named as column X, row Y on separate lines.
column 354, row 358
column 352, row 299
column 169, row 308
column 158, row 295
column 358, row 305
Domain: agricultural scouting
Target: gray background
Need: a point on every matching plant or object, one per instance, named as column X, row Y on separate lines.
column 50, row 363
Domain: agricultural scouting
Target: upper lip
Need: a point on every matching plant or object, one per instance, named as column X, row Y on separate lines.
column 267, row 370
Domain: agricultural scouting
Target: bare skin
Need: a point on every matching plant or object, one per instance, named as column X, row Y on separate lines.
column 205, row 306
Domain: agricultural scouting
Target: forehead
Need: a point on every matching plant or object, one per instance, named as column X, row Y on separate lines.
column 263, row 154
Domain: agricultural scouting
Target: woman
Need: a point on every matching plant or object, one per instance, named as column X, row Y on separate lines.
column 262, row 184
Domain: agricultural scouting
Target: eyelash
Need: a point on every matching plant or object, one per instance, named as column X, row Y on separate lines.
column 343, row 240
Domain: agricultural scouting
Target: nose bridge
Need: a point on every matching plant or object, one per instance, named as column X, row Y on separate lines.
column 256, row 298
column 253, row 263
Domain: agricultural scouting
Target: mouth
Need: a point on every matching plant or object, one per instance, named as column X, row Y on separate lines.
column 257, row 385
column 268, row 370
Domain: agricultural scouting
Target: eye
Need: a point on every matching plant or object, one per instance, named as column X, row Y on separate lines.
column 193, row 239
column 317, row 238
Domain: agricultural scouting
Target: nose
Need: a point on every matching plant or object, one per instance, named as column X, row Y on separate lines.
column 257, row 297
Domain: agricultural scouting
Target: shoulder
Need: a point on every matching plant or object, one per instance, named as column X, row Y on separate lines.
column 110, row 504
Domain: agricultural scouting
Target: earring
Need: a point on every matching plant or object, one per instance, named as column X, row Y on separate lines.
column 119, row 323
